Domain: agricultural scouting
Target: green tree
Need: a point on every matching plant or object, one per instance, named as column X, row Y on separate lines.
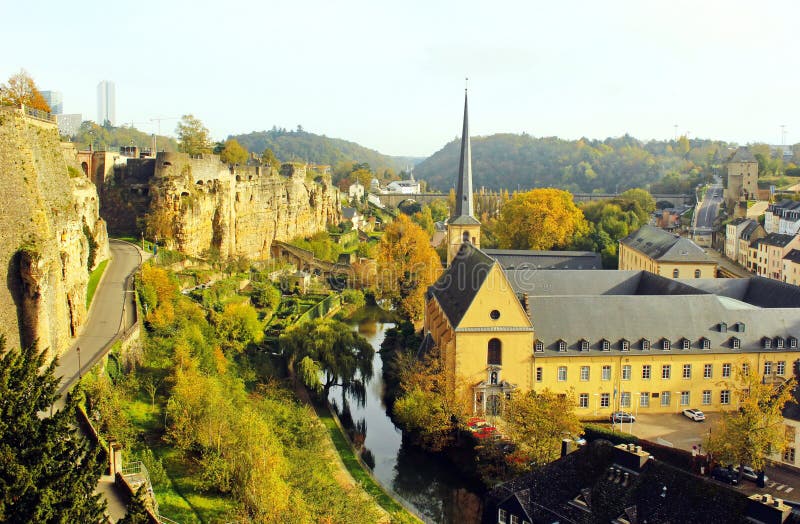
column 47, row 472
column 641, row 197
column 238, row 326
column 540, row 219
column 194, row 138
column 268, row 158
column 233, row 152
column 328, row 353
column 747, row 436
column 21, row 89
column 137, row 509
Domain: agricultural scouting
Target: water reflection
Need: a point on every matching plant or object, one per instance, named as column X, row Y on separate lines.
column 427, row 482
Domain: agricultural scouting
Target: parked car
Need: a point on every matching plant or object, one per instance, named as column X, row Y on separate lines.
column 622, row 416
column 749, row 473
column 694, row 414
column 725, row 475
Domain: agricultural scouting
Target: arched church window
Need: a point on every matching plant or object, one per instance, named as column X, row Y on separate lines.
column 495, row 357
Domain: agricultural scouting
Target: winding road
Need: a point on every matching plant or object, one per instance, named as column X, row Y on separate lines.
column 112, row 311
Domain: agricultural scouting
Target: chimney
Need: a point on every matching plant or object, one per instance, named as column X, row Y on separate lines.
column 766, row 509
column 567, row 446
column 630, row 457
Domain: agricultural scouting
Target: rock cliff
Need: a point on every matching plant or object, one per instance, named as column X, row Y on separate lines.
column 200, row 206
column 49, row 223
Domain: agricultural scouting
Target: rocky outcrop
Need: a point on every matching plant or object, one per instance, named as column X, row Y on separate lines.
column 49, row 226
column 200, row 206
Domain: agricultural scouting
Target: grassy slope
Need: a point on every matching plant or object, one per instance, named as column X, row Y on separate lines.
column 94, row 279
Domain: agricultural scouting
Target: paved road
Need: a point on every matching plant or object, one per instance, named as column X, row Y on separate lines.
column 709, row 208
column 105, row 317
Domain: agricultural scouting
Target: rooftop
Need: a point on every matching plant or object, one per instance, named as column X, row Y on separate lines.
column 519, row 259
column 777, row 239
column 664, row 246
column 743, row 155
column 793, row 256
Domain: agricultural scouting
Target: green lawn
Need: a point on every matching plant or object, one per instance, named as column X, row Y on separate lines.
column 397, row 512
column 94, row 279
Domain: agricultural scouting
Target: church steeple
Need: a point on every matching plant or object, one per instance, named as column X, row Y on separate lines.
column 463, row 226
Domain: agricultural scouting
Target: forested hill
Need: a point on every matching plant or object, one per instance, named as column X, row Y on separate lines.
column 303, row 146
column 509, row 161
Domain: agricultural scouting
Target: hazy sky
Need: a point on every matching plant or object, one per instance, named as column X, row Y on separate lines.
column 390, row 75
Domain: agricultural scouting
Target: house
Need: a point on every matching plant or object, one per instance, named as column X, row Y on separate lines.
column 297, row 282
column 663, row 253
column 751, row 232
column 623, row 485
column 791, row 267
column 351, row 214
column 733, row 231
column 769, row 253
column 408, row 187
column 355, row 192
column 783, row 217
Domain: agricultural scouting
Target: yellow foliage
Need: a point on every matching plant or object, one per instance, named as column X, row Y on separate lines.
column 540, row 219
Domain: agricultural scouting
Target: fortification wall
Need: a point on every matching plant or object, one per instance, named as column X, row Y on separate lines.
column 47, row 215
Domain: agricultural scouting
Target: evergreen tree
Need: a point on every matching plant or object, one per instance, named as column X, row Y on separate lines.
column 48, row 472
column 137, row 509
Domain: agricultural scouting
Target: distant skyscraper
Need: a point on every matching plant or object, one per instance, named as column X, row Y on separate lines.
column 106, row 103
column 55, row 100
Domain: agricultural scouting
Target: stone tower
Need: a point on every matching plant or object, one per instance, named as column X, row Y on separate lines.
column 463, row 226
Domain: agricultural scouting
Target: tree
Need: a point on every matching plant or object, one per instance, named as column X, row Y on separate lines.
column 540, row 219
column 328, row 353
column 47, row 472
column 407, row 265
column 238, row 326
column 21, row 89
column 536, row 422
column 641, row 197
column 193, row 136
column 137, row 509
column 750, row 434
column 268, row 158
column 233, row 152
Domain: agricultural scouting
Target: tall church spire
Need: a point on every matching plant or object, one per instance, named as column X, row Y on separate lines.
column 464, row 209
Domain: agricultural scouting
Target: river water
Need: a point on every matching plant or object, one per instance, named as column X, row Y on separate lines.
column 426, row 482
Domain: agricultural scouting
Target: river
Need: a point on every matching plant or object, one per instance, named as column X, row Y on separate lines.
column 423, row 480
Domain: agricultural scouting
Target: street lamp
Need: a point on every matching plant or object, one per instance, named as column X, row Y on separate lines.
column 78, row 351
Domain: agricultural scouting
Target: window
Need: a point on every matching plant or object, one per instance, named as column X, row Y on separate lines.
column 538, row 346
column 665, row 398
column 726, row 370
column 665, row 344
column 725, row 397
column 767, row 343
column 684, row 398
column 605, row 345
column 646, row 372
column 624, row 345
column 746, row 369
column 687, row 371
column 780, row 368
column 706, row 397
column 494, row 357
column 625, row 399
column 708, row 370
column 606, row 375
column 696, row 273
column 675, row 273
column 605, row 400
column 792, row 342
column 644, row 399
column 583, row 400
column 705, row 343
column 735, row 343
column 779, row 343
column 562, row 373
column 584, row 373
column 501, row 516
column 723, row 327
column 494, row 315
column 539, row 374
column 666, row 371
column 626, row 372
column 645, row 345
column 562, row 346
column 767, row 368
column 686, row 344
column 739, row 326
column 788, row 455
column 514, row 519
column 584, row 345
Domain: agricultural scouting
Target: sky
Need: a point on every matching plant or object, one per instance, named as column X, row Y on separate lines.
column 391, row 75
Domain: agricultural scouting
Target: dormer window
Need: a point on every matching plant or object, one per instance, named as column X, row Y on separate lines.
column 735, row 343
column 624, row 345
column 723, row 327
column 665, row 344
column 766, row 342
column 705, row 343
column 739, row 326
column 605, row 345
column 562, row 346
column 584, row 345
column 686, row 344
column 792, row 343
column 780, row 343
column 538, row 346
column 645, row 345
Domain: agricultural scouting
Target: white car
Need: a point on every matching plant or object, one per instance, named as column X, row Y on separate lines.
column 694, row 414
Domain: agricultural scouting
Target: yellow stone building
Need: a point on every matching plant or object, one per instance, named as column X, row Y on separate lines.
column 630, row 340
column 657, row 251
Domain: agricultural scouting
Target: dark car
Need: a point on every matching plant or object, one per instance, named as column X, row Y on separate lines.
column 725, row 475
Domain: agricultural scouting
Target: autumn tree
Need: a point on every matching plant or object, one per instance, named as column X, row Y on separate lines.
column 238, row 326
column 233, row 152
column 268, row 158
column 536, row 422
column 407, row 265
column 750, row 434
column 194, row 138
column 21, row 89
column 540, row 219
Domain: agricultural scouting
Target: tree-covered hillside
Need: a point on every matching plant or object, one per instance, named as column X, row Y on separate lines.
column 300, row 145
column 110, row 137
column 510, row 161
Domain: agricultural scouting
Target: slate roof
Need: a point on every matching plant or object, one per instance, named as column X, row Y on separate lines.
column 777, row 239
column 793, row 256
column 348, row 212
column 520, row 259
column 457, row 286
column 743, row 155
column 663, row 246
column 749, row 229
column 758, row 291
column 738, row 221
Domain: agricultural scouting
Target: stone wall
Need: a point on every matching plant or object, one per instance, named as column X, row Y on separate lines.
column 199, row 205
column 47, row 214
